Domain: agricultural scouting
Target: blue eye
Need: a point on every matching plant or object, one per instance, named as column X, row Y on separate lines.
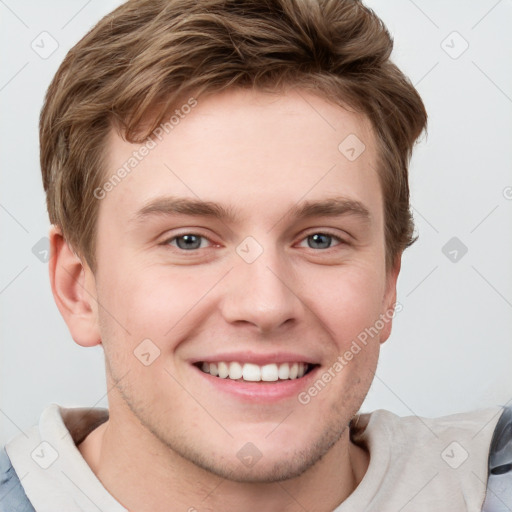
column 188, row 242
column 321, row 241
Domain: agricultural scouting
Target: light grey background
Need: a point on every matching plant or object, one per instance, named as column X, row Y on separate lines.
column 451, row 346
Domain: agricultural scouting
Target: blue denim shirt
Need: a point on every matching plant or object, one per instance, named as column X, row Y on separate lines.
column 12, row 495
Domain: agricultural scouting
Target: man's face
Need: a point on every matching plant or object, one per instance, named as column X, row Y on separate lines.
column 262, row 287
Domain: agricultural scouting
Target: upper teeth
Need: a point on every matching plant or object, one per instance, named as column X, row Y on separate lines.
column 255, row 373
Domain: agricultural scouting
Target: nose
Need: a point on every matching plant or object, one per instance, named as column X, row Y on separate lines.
column 262, row 294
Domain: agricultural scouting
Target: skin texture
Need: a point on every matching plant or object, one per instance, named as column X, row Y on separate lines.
column 172, row 438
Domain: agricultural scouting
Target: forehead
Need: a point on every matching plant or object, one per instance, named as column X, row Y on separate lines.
column 255, row 153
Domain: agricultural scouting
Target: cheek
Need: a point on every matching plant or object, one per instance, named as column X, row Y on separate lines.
column 143, row 314
column 346, row 300
column 151, row 301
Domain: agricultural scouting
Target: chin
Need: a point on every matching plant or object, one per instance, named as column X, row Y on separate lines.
column 271, row 464
column 263, row 471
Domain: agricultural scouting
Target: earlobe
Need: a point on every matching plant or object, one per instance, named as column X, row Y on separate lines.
column 74, row 291
column 390, row 298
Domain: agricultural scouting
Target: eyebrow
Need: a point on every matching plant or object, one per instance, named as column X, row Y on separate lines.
column 331, row 207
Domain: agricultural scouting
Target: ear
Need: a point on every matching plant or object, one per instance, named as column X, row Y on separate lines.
column 389, row 301
column 74, row 290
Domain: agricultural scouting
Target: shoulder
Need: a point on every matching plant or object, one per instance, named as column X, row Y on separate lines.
column 450, row 454
column 12, row 494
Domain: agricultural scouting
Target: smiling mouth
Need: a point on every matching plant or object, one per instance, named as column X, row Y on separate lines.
column 249, row 372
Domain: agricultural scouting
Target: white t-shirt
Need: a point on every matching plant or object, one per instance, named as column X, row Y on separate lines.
column 416, row 464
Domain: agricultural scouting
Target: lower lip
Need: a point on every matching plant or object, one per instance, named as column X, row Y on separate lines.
column 260, row 391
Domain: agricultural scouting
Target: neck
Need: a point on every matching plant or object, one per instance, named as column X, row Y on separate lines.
column 151, row 477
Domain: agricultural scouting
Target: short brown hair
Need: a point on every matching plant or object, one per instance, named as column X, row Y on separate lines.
column 147, row 54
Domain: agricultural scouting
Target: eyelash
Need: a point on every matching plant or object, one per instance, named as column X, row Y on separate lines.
column 328, row 233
